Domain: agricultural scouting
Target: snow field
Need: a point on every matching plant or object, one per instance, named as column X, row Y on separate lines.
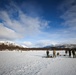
column 35, row 63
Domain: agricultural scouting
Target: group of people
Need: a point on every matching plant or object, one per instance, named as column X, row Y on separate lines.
column 54, row 53
column 69, row 51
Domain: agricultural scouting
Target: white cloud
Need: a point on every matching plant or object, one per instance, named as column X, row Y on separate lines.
column 43, row 43
column 40, row 43
column 24, row 26
column 69, row 17
column 28, row 44
column 6, row 33
column 70, row 41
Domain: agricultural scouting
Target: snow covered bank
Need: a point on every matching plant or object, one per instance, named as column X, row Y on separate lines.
column 35, row 63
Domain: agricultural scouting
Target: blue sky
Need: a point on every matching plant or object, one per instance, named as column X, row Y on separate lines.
column 38, row 22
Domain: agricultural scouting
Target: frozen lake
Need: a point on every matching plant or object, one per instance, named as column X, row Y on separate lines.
column 35, row 63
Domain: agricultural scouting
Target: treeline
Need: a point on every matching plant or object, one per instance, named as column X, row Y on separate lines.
column 51, row 49
column 11, row 47
column 4, row 46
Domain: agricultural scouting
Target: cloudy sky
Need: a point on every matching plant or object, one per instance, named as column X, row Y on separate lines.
column 38, row 22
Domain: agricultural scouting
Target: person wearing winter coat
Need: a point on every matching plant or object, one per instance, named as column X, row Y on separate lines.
column 73, row 52
column 54, row 53
column 47, row 52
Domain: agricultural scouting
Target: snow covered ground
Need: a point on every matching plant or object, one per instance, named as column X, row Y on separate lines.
column 35, row 63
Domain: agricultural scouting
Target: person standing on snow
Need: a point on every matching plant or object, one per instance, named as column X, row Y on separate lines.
column 54, row 53
column 47, row 52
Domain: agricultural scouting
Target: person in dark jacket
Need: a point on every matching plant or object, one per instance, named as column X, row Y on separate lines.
column 47, row 52
column 73, row 52
column 69, row 53
column 65, row 51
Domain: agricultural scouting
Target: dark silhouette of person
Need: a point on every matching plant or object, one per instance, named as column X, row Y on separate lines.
column 47, row 52
column 66, row 51
column 69, row 53
column 73, row 52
